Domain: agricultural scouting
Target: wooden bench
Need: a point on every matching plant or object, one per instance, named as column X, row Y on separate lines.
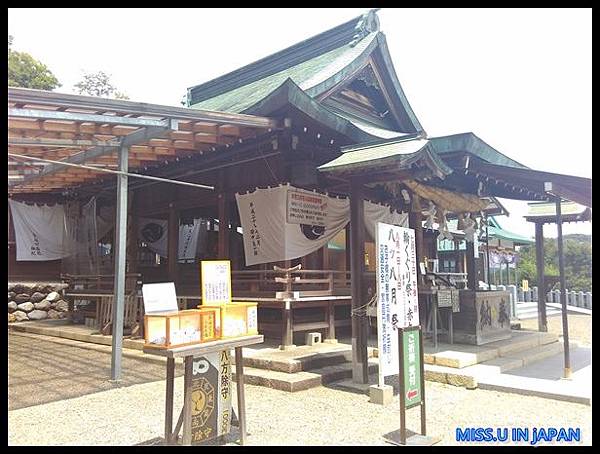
column 98, row 289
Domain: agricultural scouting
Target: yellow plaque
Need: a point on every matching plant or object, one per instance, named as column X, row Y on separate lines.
column 216, row 281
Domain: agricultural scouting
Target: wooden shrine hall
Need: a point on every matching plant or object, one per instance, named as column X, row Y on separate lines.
column 327, row 115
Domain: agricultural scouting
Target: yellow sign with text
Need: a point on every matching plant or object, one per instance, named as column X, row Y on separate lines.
column 525, row 285
column 216, row 281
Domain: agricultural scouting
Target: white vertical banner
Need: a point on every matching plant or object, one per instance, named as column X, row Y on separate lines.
column 397, row 302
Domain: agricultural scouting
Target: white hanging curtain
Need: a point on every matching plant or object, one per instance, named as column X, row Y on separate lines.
column 155, row 233
column 268, row 237
column 285, row 222
column 80, row 238
column 375, row 213
column 38, row 231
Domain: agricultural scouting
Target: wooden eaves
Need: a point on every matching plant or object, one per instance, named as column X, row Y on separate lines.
column 88, row 130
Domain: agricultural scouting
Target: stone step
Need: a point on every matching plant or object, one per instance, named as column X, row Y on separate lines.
column 298, row 381
column 449, row 375
column 459, row 355
column 299, row 364
column 534, row 314
column 469, row 376
column 536, row 354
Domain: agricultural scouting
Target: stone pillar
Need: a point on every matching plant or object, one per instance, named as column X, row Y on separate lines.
column 527, row 296
column 588, row 300
column 534, row 294
column 513, row 299
column 520, row 296
column 556, row 296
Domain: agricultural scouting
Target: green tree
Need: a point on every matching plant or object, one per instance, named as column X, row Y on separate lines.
column 27, row 72
column 578, row 261
column 98, row 84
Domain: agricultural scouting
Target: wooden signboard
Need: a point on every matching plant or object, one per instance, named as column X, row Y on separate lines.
column 211, row 396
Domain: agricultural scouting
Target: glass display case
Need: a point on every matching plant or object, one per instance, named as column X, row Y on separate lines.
column 236, row 319
column 176, row 329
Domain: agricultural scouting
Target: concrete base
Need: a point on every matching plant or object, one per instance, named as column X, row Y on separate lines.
column 412, row 439
column 330, row 341
column 287, row 347
column 382, row 395
column 312, row 338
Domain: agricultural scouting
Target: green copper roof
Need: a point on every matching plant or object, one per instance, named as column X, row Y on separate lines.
column 495, row 231
column 240, row 99
column 469, row 143
column 400, row 152
column 317, row 66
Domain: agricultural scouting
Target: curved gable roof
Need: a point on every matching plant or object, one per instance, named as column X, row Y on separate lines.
column 315, row 65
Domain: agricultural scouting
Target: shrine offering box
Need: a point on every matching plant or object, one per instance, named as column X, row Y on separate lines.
column 176, row 329
column 237, row 319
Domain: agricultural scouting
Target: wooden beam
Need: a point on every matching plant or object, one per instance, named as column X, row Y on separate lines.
column 205, row 138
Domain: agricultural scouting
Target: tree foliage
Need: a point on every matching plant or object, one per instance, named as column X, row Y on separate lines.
column 578, row 261
column 27, row 72
column 98, row 84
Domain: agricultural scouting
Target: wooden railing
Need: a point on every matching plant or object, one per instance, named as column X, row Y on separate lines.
column 263, row 283
column 98, row 289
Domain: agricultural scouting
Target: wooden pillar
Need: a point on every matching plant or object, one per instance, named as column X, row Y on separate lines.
column 173, row 242
column 132, row 250
column 348, row 248
column 325, row 257
column 415, row 221
column 357, row 251
column 539, row 263
column 223, row 241
column 471, row 266
column 563, row 290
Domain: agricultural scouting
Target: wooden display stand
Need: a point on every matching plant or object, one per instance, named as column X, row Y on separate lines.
column 188, row 353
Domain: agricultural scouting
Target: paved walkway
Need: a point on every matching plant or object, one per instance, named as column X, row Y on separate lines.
column 75, row 404
column 545, row 378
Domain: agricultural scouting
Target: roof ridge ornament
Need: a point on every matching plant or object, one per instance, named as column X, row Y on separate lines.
column 368, row 23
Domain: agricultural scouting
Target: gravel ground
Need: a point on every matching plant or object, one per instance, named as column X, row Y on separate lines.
column 580, row 327
column 44, row 369
column 129, row 415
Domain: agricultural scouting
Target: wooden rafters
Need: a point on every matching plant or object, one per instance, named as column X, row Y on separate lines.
column 83, row 129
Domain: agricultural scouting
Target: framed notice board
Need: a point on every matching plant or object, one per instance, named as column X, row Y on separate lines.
column 215, row 278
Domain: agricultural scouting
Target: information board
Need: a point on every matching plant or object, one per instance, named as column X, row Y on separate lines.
column 159, row 297
column 305, row 207
column 211, row 396
column 398, row 303
column 216, row 281
column 412, row 368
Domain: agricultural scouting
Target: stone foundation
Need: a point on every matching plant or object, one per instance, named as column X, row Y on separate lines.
column 36, row 301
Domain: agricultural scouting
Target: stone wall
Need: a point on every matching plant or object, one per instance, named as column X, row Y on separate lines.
column 36, row 301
